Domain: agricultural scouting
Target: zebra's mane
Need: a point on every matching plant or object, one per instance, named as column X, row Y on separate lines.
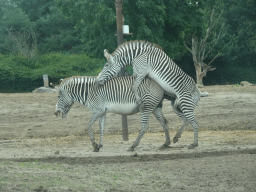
column 77, row 79
column 136, row 44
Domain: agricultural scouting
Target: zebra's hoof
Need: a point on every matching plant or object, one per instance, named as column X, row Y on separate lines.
column 192, row 146
column 164, row 146
column 96, row 148
column 175, row 139
column 131, row 149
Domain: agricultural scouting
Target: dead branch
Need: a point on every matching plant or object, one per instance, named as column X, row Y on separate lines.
column 187, row 48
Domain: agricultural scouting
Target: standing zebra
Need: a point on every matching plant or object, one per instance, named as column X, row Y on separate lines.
column 114, row 96
column 150, row 60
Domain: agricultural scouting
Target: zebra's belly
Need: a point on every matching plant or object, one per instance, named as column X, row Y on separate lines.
column 122, row 109
column 167, row 87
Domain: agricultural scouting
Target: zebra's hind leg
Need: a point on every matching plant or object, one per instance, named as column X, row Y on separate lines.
column 195, row 127
column 144, row 127
column 179, row 132
column 188, row 109
column 162, row 120
column 176, row 108
column 94, row 117
column 102, row 120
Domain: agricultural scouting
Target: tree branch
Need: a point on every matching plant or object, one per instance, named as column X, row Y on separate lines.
column 215, row 41
column 214, row 58
column 187, row 48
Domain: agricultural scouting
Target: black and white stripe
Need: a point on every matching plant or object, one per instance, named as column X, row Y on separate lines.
column 150, row 60
column 115, row 96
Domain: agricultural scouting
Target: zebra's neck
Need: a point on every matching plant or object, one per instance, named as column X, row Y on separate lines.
column 79, row 88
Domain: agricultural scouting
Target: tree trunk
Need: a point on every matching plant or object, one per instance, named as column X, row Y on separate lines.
column 199, row 75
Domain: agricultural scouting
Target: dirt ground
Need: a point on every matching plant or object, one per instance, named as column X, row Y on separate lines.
column 40, row 152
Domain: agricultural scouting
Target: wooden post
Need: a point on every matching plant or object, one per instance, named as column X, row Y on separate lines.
column 119, row 23
column 46, row 80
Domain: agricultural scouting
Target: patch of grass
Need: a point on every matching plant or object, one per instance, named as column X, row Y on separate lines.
column 28, row 176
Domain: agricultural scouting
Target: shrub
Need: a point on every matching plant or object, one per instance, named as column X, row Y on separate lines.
column 19, row 74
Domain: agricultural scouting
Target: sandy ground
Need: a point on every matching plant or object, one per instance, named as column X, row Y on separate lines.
column 224, row 161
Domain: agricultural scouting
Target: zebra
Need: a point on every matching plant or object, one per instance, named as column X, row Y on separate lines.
column 115, row 96
column 150, row 60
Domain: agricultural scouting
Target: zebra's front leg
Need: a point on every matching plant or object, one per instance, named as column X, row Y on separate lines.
column 135, row 87
column 162, row 120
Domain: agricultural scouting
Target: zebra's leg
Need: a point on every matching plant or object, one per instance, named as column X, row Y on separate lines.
column 94, row 117
column 179, row 132
column 195, row 125
column 188, row 109
column 135, row 87
column 162, row 120
column 176, row 108
column 140, row 71
column 102, row 120
column 144, row 127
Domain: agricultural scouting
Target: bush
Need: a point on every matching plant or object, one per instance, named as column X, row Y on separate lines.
column 19, row 74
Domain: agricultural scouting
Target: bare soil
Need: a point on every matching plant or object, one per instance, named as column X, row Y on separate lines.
column 40, row 152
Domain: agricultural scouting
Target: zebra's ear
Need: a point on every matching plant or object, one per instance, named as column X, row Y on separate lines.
column 106, row 54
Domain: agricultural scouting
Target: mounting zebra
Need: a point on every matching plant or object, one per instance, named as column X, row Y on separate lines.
column 150, row 60
column 114, row 96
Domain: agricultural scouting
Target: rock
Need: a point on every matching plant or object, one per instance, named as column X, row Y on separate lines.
column 45, row 90
column 245, row 83
column 204, row 94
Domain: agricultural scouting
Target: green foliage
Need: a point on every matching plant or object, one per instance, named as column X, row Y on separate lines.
column 57, row 65
column 13, row 19
column 56, row 33
column 89, row 26
column 22, row 74
column 35, row 9
column 242, row 25
column 95, row 23
column 158, row 21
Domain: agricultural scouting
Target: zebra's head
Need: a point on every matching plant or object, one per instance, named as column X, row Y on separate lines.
column 110, row 69
column 64, row 103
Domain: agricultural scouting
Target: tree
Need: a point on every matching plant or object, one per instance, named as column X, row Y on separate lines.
column 22, row 43
column 149, row 20
column 241, row 20
column 95, row 23
column 13, row 20
column 203, row 44
column 34, row 9
column 56, row 33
